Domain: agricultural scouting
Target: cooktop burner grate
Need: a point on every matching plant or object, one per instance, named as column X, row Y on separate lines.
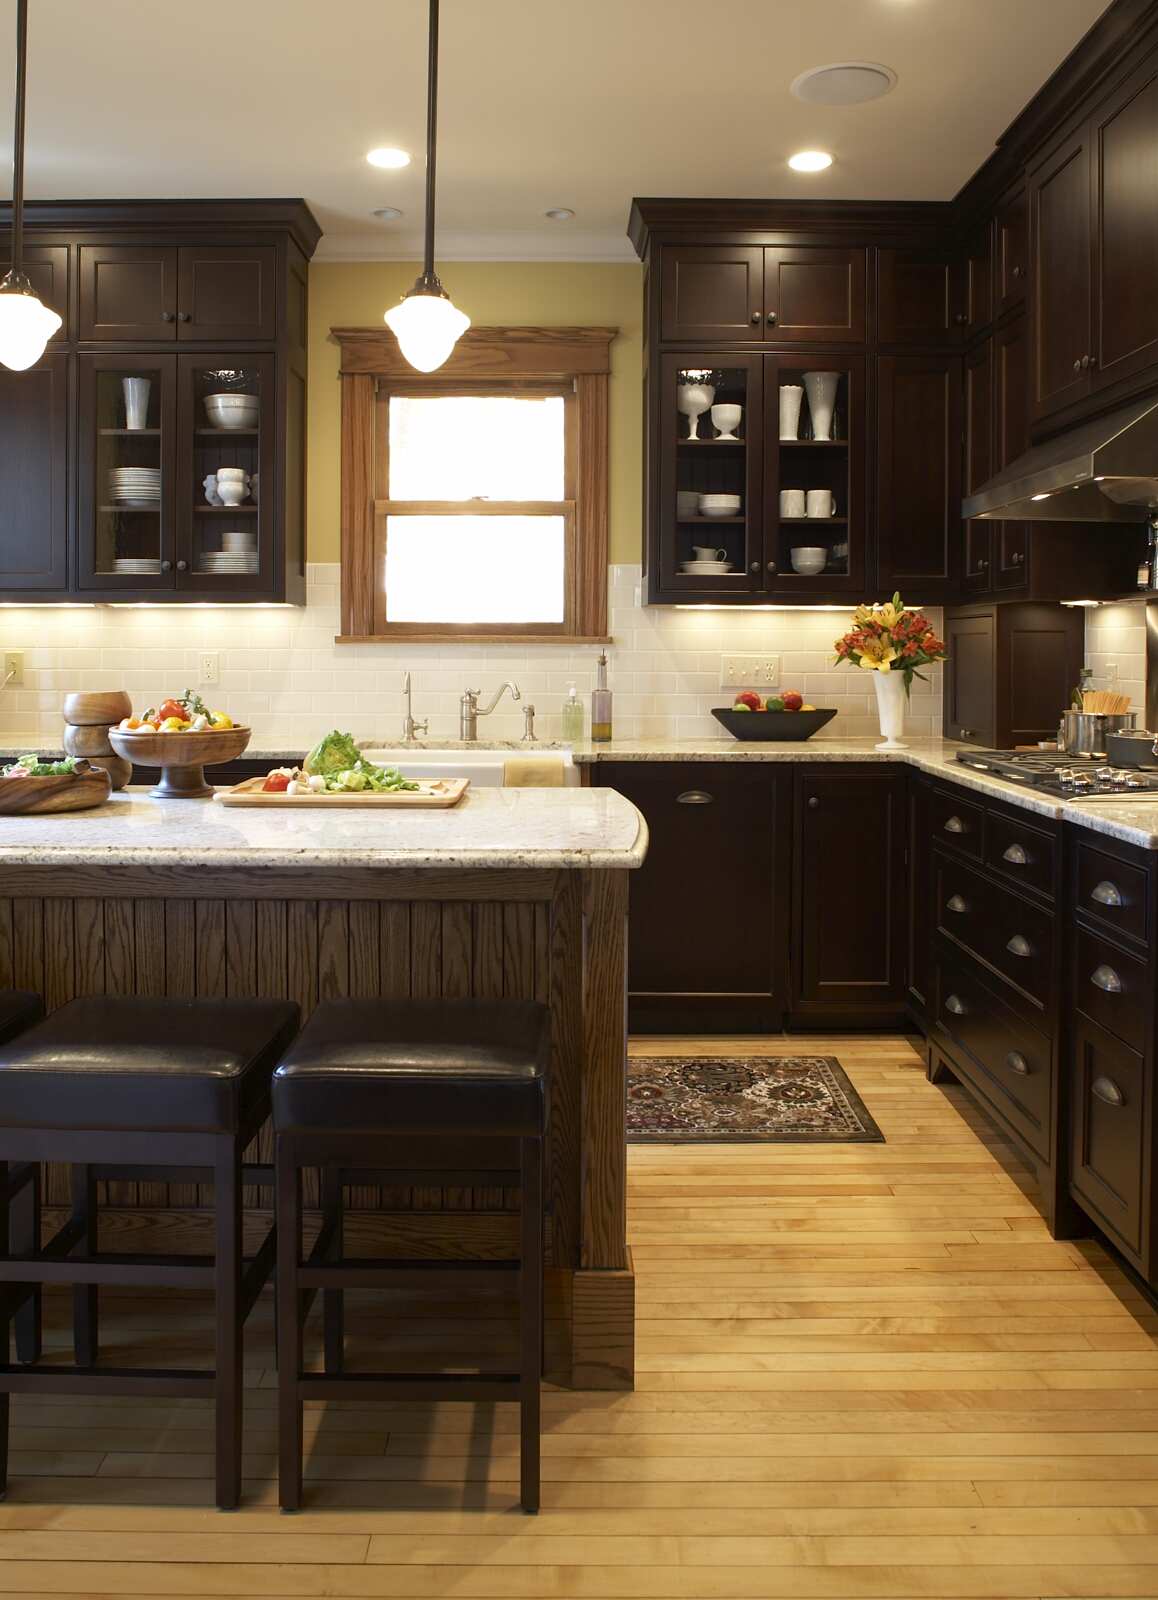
column 1065, row 777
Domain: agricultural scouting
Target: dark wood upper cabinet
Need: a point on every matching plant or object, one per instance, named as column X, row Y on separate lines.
column 226, row 294
column 918, row 473
column 979, row 280
column 1011, row 251
column 1124, row 150
column 978, row 460
column 712, row 293
column 1010, row 672
column 814, row 294
column 128, row 293
column 34, row 413
column 1060, row 243
column 919, row 298
column 850, row 851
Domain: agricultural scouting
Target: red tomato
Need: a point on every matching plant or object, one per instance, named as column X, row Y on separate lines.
column 171, row 708
column 276, row 783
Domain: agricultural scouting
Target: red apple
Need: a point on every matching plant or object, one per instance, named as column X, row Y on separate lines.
column 793, row 699
column 749, row 699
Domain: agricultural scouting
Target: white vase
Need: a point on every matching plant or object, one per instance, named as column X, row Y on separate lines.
column 890, row 688
column 791, row 395
column 693, row 399
column 821, row 390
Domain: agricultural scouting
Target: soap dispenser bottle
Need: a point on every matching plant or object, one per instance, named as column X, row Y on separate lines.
column 601, row 703
column 572, row 716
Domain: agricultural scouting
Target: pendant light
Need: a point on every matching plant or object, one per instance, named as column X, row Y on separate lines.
column 426, row 322
column 26, row 326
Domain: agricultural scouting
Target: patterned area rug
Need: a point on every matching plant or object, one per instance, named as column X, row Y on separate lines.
column 779, row 1099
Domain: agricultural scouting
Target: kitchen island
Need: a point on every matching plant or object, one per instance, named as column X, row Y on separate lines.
column 516, row 893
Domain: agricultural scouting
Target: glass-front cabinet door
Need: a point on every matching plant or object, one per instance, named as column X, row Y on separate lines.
column 710, row 516
column 127, row 445
column 226, row 487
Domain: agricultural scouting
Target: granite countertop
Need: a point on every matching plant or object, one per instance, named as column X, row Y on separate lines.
column 498, row 828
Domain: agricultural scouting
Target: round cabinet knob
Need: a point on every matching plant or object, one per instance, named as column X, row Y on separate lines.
column 772, row 567
column 813, row 803
column 166, row 566
column 1018, row 557
column 182, row 566
column 755, row 319
column 182, row 316
column 1087, row 363
column 166, row 316
column 983, row 565
column 960, row 319
column 1017, row 272
column 771, row 319
column 966, row 733
column 1078, row 365
column 754, row 567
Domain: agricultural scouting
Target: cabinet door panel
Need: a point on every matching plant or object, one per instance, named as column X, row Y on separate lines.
column 918, row 297
column 1060, row 244
column 1012, row 251
column 851, row 890
column 815, row 295
column 918, row 472
column 128, row 292
column 1124, row 144
column 978, row 461
column 969, row 678
column 226, row 294
column 34, row 413
column 979, row 281
column 1039, row 656
column 1109, row 1113
column 712, row 292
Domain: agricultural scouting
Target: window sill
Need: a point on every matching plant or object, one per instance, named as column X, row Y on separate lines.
column 465, row 637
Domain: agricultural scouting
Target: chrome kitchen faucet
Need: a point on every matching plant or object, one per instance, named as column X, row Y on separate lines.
column 469, row 710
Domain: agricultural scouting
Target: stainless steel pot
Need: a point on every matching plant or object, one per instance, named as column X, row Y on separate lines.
column 1134, row 747
column 1086, row 733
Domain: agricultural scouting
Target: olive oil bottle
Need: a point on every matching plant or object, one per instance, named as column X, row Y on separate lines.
column 601, row 703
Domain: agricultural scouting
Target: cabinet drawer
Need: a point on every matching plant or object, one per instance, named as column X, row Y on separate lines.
column 1005, row 1059
column 1023, row 854
column 1109, row 1116
column 1008, row 933
column 1110, row 986
column 958, row 822
column 1112, row 892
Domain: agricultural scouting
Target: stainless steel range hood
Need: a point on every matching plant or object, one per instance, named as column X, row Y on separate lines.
column 1102, row 471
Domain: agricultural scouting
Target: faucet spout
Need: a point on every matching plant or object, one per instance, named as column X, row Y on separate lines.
column 470, row 710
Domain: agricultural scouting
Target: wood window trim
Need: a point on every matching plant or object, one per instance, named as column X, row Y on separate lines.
column 509, row 358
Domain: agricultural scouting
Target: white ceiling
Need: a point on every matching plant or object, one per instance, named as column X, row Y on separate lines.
column 579, row 103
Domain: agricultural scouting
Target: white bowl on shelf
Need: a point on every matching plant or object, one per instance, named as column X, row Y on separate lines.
column 232, row 410
column 720, row 505
column 809, row 560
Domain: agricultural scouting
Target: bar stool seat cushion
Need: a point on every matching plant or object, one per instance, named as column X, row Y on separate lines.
column 418, row 1066
column 116, row 1063
column 18, row 1011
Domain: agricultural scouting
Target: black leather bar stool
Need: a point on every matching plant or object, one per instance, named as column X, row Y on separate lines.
column 444, row 1091
column 172, row 1090
column 19, row 1010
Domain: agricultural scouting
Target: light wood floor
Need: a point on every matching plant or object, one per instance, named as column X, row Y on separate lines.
column 863, row 1370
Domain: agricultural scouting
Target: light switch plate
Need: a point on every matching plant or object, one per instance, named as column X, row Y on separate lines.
column 749, row 672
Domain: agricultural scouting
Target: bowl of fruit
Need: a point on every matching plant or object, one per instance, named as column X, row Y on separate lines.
column 182, row 737
column 780, row 716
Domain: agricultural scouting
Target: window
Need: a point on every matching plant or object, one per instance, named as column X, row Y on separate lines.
column 474, row 503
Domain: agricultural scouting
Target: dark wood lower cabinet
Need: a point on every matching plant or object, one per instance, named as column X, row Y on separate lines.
column 1110, row 1098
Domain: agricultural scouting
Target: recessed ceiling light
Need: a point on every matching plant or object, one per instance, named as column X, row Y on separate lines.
column 559, row 214
column 810, row 161
column 844, row 83
column 387, row 213
column 387, row 156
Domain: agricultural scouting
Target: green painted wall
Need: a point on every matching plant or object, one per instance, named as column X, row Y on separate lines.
column 501, row 293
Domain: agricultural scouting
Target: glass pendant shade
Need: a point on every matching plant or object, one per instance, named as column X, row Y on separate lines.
column 427, row 327
column 26, row 325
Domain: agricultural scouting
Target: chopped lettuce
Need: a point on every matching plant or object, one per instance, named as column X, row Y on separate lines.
column 337, row 752
column 31, row 766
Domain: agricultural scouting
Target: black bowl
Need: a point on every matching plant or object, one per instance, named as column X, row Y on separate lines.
column 771, row 724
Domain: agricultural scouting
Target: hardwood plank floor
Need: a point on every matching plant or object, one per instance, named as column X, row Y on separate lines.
column 863, row 1370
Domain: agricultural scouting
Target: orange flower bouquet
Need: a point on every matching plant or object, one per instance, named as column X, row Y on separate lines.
column 894, row 643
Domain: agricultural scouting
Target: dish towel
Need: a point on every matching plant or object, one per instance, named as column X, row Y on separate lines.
column 534, row 772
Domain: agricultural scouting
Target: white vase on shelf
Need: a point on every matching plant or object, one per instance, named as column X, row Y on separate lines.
column 791, row 396
column 821, row 390
column 693, row 399
column 890, row 688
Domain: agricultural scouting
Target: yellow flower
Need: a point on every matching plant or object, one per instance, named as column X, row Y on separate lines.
column 876, row 654
column 888, row 615
column 863, row 614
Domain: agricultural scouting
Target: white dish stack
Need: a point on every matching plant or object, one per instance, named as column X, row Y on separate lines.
column 135, row 486
column 136, row 566
column 238, row 553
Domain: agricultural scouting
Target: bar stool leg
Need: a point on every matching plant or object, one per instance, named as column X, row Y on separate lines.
column 530, row 1319
column 230, row 1349
column 333, row 1300
column 24, row 1231
column 289, row 1327
column 85, row 1323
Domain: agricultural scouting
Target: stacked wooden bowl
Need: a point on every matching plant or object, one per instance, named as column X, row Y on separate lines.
column 88, row 717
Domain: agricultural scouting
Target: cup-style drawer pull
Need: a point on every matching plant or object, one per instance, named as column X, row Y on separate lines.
column 1019, row 945
column 1016, row 1062
column 1107, row 1091
column 1016, row 855
column 695, row 797
column 955, row 825
column 1106, row 893
column 1104, row 977
column 955, row 903
column 956, row 1005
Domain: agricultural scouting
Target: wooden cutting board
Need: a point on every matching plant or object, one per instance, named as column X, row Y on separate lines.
column 430, row 793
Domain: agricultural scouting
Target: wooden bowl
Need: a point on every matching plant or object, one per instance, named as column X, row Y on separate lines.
column 96, row 708
column 76, row 791
column 181, row 757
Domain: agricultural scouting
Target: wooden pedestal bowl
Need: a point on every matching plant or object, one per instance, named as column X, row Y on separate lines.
column 75, row 791
column 182, row 757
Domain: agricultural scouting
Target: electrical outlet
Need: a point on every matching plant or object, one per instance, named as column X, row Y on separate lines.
column 13, row 669
column 749, row 672
column 210, row 667
column 1111, row 673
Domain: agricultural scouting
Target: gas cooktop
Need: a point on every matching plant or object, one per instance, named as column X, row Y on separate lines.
column 1065, row 777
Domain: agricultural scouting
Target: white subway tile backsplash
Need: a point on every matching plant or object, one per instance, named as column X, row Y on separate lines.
column 282, row 671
